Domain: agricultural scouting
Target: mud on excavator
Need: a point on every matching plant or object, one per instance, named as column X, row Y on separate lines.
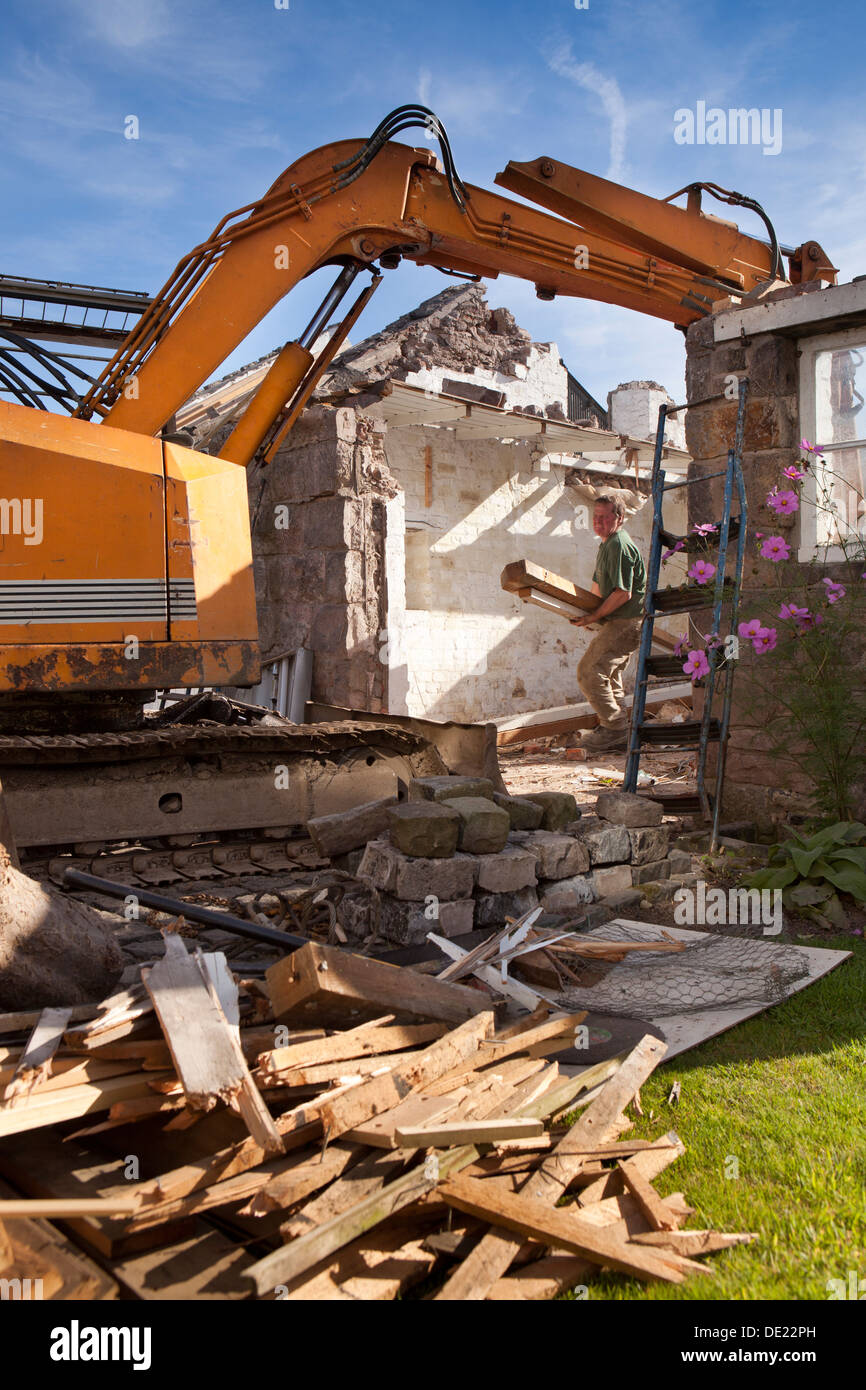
column 143, row 578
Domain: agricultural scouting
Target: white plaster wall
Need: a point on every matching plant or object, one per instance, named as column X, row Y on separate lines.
column 634, row 410
column 472, row 651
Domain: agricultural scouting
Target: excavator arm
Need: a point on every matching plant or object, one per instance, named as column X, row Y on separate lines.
column 350, row 205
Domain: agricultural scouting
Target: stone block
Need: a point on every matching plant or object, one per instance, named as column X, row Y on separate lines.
column 442, row 788
column 615, row 879
column 649, row 873
column 491, row 909
column 648, row 844
column 385, row 868
column 506, row 872
column 347, row 830
column 623, row 902
column 350, row 862
column 680, row 863
column 407, row 923
column 660, row 890
column 568, row 894
column 559, row 856
column 608, row 844
column 523, row 813
column 558, row 808
column 626, row 808
column 484, row 826
column 424, row 829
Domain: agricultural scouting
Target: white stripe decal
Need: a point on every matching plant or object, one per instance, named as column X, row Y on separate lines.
column 41, row 602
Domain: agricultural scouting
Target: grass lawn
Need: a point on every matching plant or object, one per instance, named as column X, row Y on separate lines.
column 784, row 1095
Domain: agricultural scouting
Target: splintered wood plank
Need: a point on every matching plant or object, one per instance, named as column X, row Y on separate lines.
column 49, row 1107
column 313, row 1245
column 381, row 1131
column 339, row 1071
column 646, row 1196
column 491, row 976
column 560, row 1026
column 443, row 1135
column 693, row 1243
column 563, row 1228
column 27, row 1019
column 376, row 1268
column 361, row 1103
column 205, row 1046
column 362, row 1181
column 600, row 1122
column 292, row 1184
column 648, row 1162
column 34, row 1064
column 364, row 1041
column 202, row 1265
column 328, row 986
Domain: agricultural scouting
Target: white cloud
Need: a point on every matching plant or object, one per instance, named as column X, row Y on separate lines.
column 606, row 89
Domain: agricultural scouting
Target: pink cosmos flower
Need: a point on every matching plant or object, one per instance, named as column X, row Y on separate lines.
column 697, row 666
column 750, row 629
column 790, row 610
column 809, row 448
column 673, row 550
column 705, row 528
column 810, row 620
column 783, row 503
column 765, row 640
column 682, row 645
column 834, row 591
column 793, row 472
column 863, row 575
column 759, row 535
column 701, row 572
column 775, row 548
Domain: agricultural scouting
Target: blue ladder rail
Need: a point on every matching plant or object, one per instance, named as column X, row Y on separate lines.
column 715, row 729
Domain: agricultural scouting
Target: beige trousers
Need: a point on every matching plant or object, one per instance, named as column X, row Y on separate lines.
column 601, row 668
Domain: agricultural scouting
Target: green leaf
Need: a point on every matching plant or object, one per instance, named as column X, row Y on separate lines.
column 772, row 878
column 855, row 856
column 806, row 894
column 803, row 859
column 845, row 877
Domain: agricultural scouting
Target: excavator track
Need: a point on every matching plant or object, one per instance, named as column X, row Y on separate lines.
column 64, row 791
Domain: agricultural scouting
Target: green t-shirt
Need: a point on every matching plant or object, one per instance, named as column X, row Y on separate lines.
column 619, row 566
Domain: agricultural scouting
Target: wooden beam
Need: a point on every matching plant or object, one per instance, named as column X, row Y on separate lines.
column 369, row 1039
column 467, row 1132
column 333, row 987
column 646, row 1196
column 560, row 1227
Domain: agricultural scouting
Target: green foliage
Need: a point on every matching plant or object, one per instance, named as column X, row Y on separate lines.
column 810, row 870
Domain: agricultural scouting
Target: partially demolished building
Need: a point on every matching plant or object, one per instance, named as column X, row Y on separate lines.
column 433, row 454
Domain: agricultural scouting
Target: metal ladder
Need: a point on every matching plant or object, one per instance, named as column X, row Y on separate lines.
column 695, row 734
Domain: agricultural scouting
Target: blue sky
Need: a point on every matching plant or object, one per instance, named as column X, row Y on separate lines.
column 228, row 92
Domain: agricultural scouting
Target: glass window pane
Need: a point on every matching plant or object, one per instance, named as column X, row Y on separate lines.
column 840, row 393
column 841, row 496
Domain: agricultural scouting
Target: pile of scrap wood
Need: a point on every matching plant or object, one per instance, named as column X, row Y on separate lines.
column 349, row 1131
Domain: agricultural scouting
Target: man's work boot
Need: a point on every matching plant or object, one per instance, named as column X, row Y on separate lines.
column 605, row 740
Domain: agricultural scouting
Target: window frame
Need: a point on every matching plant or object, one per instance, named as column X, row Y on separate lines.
column 809, row 547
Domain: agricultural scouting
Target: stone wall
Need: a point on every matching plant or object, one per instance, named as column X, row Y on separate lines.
column 754, row 773
column 319, row 547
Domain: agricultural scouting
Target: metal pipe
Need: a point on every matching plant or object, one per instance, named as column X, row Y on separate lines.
column 207, row 916
column 328, row 305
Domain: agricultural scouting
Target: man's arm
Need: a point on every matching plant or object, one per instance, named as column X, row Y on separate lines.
column 615, row 599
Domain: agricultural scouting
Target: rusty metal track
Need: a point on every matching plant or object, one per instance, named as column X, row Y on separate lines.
column 202, row 739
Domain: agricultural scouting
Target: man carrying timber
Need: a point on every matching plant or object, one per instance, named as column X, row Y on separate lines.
column 619, row 579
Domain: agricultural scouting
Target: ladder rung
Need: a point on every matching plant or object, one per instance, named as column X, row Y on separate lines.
column 690, row 730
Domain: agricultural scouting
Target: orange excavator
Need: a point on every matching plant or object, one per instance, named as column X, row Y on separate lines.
column 141, row 577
